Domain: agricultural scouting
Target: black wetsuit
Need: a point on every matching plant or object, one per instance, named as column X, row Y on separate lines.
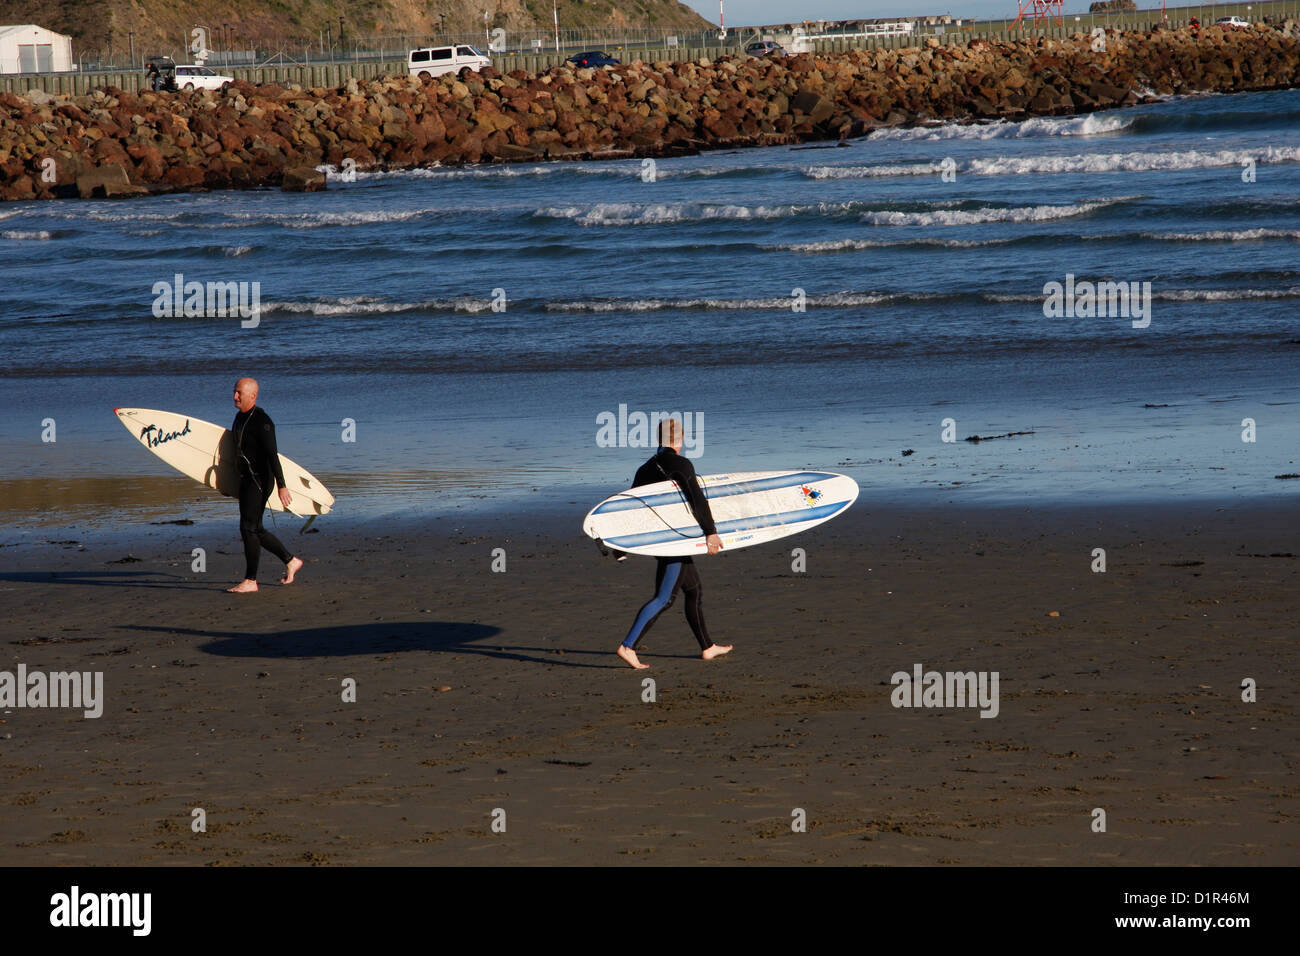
column 259, row 466
column 674, row 574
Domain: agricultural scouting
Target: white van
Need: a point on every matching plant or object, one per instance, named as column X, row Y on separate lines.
column 437, row 60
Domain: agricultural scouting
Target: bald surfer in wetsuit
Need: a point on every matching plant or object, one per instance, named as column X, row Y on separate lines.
column 676, row 573
column 259, row 463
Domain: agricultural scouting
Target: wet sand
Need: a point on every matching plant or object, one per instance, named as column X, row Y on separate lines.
column 478, row 690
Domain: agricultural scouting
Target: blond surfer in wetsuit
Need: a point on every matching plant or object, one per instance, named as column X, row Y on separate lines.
column 259, row 463
column 675, row 573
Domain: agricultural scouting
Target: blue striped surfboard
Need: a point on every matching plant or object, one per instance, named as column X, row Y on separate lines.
column 749, row 508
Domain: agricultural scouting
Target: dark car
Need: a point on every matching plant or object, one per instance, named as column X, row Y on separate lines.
column 764, row 48
column 592, row 58
column 160, row 74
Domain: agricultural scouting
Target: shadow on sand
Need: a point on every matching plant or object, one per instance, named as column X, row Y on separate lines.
column 107, row 579
column 381, row 637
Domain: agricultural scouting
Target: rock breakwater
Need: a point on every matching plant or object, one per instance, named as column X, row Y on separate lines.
column 110, row 143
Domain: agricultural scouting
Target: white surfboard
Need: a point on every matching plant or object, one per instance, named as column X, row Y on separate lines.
column 749, row 508
column 206, row 452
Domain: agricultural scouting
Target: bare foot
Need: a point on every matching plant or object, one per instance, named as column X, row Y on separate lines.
column 290, row 569
column 245, row 586
column 629, row 655
column 715, row 650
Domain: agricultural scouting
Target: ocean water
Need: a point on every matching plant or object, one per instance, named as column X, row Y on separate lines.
column 825, row 306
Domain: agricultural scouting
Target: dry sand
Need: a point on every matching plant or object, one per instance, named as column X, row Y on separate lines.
column 479, row 690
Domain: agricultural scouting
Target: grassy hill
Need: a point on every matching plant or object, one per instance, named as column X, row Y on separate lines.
column 160, row 25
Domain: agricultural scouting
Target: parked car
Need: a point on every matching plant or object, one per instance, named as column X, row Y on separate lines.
column 437, row 60
column 1235, row 22
column 761, row 48
column 195, row 77
column 593, row 58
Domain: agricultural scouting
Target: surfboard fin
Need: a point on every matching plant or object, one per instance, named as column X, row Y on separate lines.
column 303, row 529
column 606, row 551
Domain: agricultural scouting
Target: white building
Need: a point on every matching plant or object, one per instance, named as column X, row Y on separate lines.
column 32, row 49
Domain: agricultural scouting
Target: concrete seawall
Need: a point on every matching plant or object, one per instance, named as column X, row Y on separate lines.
column 117, row 142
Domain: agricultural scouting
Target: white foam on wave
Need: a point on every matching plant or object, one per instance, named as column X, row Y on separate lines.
column 1225, row 295
column 872, row 172
column 106, row 215
column 335, row 175
column 1225, row 235
column 234, row 252
column 972, row 217
column 20, row 235
column 622, row 169
column 644, row 214
column 853, row 245
column 1180, row 295
column 1091, row 125
column 318, row 220
column 498, row 171
column 1129, row 162
column 368, row 305
column 365, row 305
column 663, row 171
column 1069, row 163
column 780, row 303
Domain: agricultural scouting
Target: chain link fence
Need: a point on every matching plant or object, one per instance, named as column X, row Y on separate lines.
column 225, row 50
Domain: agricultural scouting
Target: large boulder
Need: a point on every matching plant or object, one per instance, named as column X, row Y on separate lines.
column 107, row 182
column 303, row 179
column 815, row 106
column 38, row 97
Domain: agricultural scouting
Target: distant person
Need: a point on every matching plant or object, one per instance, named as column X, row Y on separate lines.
column 677, row 573
column 259, row 463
